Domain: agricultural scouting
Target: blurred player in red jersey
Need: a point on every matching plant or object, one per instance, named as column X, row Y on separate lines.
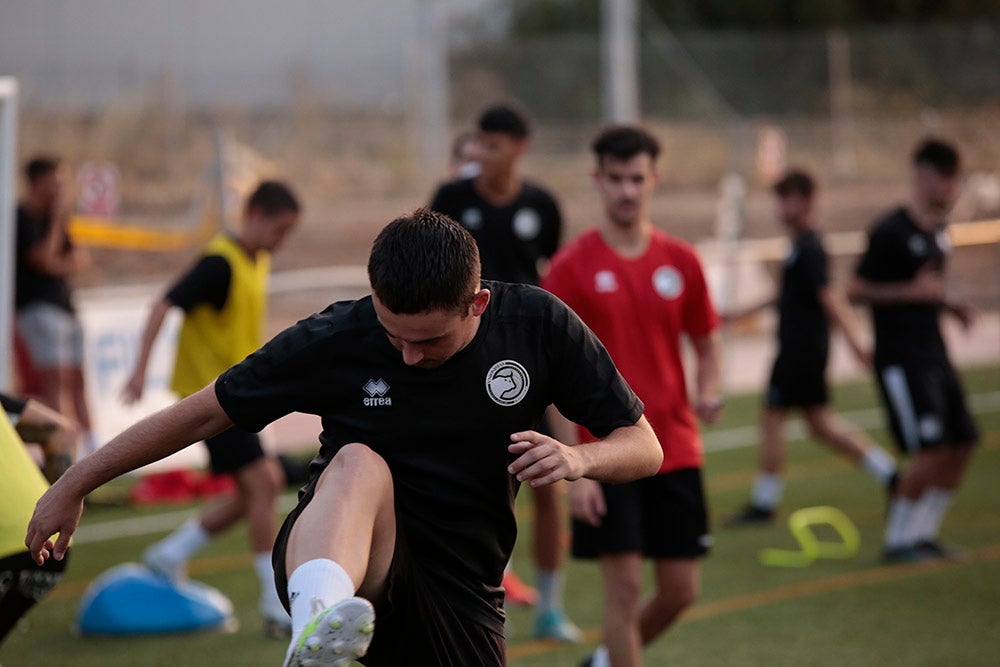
column 640, row 290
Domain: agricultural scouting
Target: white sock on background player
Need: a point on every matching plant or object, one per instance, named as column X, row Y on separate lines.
column 550, row 589
column 928, row 514
column 879, row 463
column 897, row 526
column 270, row 604
column 767, row 491
column 172, row 552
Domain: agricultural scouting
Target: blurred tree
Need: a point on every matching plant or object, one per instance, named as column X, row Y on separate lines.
column 535, row 17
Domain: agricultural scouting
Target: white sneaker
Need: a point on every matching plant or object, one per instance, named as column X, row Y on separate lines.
column 336, row 636
column 168, row 568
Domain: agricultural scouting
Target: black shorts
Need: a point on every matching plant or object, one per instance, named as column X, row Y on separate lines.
column 232, row 450
column 23, row 584
column 664, row 516
column 926, row 405
column 416, row 622
column 798, row 378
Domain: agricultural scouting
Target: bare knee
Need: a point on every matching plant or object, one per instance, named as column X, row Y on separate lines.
column 357, row 463
column 622, row 596
column 258, row 482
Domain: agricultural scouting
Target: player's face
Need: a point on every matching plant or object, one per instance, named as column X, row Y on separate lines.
column 795, row 210
column 270, row 231
column 50, row 187
column 497, row 153
column 939, row 191
column 626, row 187
column 429, row 339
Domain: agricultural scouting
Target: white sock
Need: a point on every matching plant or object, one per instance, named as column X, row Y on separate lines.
column 314, row 586
column 898, row 524
column 767, row 491
column 270, row 604
column 601, row 657
column 879, row 463
column 930, row 513
column 180, row 545
column 550, row 589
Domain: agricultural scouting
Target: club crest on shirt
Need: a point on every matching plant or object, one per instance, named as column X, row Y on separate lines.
column 918, row 245
column 667, row 282
column 605, row 281
column 377, row 391
column 507, row 382
column 527, row 224
column 472, row 218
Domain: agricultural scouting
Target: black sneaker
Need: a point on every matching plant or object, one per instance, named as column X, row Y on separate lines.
column 751, row 515
column 934, row 549
column 900, row 555
column 588, row 661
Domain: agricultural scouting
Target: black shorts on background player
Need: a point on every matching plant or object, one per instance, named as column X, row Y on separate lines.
column 663, row 516
column 23, row 584
column 233, row 450
column 926, row 405
column 798, row 379
column 453, row 494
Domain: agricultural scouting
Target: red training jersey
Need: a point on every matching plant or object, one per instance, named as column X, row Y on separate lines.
column 639, row 307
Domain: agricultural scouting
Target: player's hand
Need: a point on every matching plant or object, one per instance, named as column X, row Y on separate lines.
column 586, row 501
column 542, row 460
column 132, row 391
column 57, row 511
column 863, row 355
column 965, row 313
column 709, row 409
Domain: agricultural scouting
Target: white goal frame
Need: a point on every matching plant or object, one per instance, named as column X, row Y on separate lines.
column 8, row 162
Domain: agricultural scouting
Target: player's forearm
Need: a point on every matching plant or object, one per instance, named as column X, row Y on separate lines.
column 887, row 293
column 195, row 418
column 562, row 429
column 626, row 454
column 839, row 313
column 154, row 322
column 708, row 366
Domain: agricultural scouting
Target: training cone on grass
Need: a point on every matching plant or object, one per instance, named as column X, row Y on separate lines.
column 130, row 599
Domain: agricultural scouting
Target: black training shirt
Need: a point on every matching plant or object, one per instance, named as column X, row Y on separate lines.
column 803, row 322
column 443, row 432
column 897, row 250
column 206, row 282
column 511, row 238
column 32, row 285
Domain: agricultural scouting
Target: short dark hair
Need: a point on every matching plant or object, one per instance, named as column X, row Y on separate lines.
column 40, row 166
column 424, row 261
column 505, row 119
column 272, row 198
column 624, row 142
column 795, row 181
column 940, row 156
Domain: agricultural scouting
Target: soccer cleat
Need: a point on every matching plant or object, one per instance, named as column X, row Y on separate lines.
column 159, row 563
column 516, row 592
column 750, row 515
column 900, row 555
column 935, row 549
column 336, row 636
column 587, row 661
column 554, row 624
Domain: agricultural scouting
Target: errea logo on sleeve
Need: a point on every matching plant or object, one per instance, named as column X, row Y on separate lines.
column 377, row 391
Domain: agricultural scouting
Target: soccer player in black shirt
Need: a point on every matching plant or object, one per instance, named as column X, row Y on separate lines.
column 517, row 225
column 428, row 392
column 901, row 275
column 807, row 306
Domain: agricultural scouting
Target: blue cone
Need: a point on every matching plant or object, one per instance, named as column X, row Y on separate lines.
column 129, row 599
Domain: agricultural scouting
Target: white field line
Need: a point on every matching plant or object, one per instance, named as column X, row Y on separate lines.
column 719, row 441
